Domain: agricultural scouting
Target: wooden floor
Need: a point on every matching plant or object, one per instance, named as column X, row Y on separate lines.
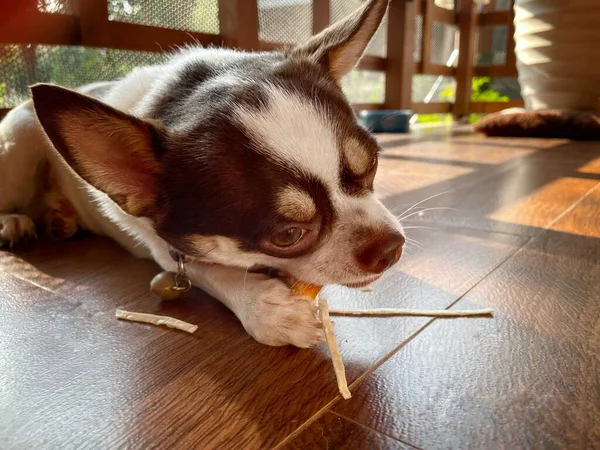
column 515, row 226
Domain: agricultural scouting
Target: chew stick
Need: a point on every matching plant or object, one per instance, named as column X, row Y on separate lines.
column 152, row 319
column 336, row 357
column 410, row 312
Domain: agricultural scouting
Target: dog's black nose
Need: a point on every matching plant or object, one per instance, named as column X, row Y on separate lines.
column 382, row 252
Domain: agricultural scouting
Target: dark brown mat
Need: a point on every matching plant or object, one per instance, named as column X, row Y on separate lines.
column 578, row 125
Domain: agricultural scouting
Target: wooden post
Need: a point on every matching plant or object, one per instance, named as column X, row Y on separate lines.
column 320, row 12
column 427, row 36
column 467, row 23
column 400, row 66
column 238, row 23
column 93, row 22
column 16, row 16
column 511, row 59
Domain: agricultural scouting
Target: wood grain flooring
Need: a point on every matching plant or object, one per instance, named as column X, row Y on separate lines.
column 516, row 228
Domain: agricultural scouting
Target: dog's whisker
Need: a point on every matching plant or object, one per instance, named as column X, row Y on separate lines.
column 418, row 227
column 414, row 243
column 425, row 210
column 420, row 210
column 395, row 208
column 425, row 200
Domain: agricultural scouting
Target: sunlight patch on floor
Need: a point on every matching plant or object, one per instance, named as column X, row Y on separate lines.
column 547, row 202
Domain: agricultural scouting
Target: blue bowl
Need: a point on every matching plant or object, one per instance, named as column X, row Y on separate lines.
column 386, row 120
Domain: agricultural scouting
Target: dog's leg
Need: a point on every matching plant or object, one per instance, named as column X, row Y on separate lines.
column 267, row 309
column 29, row 193
column 22, row 158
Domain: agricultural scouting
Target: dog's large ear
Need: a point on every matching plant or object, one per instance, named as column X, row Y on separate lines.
column 113, row 151
column 340, row 47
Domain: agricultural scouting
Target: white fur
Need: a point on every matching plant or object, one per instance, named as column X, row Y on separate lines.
column 21, row 153
column 296, row 134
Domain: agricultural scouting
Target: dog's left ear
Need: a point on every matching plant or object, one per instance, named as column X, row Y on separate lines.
column 340, row 47
column 115, row 152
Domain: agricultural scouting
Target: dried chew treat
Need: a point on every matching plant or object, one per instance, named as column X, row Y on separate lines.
column 312, row 291
column 336, row 357
column 410, row 312
column 156, row 320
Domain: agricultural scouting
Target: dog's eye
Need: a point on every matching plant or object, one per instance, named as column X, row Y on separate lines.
column 287, row 237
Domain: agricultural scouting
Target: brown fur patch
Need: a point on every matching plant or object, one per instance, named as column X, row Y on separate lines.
column 340, row 46
column 576, row 125
column 357, row 157
column 295, row 204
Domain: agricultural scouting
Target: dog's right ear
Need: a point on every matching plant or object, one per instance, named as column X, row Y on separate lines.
column 339, row 47
column 115, row 152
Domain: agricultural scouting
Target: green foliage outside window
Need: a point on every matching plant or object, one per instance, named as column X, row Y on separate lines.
column 481, row 91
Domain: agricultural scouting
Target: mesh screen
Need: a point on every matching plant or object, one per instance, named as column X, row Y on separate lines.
column 364, row 86
column 190, row 15
column 446, row 4
column 339, row 9
column 284, row 21
column 55, row 6
column 491, row 45
column 443, row 42
column 22, row 65
column 418, row 38
column 433, row 89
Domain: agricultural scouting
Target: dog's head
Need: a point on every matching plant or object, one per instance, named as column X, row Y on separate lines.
column 245, row 159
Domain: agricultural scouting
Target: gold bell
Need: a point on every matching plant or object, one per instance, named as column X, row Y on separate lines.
column 170, row 285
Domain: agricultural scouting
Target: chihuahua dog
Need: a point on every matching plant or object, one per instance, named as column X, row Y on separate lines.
column 236, row 160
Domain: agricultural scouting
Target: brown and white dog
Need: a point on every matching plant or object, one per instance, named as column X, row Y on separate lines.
column 237, row 160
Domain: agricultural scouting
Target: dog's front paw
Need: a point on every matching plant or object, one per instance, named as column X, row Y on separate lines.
column 277, row 317
column 16, row 229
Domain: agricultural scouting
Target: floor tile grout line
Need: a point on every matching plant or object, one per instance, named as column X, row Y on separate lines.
column 575, row 204
column 342, row 416
column 498, row 266
column 338, row 397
